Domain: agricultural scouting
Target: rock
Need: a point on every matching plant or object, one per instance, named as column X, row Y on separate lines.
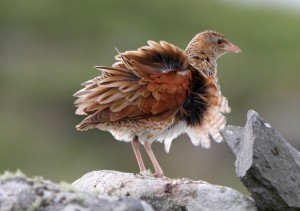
column 266, row 164
column 165, row 194
column 17, row 193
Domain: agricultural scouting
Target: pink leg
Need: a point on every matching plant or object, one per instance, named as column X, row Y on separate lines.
column 136, row 148
column 158, row 171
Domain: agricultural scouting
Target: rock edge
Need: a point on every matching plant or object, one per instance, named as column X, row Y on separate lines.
column 266, row 164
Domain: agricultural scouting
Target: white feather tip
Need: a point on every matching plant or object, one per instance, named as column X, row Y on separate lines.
column 168, row 143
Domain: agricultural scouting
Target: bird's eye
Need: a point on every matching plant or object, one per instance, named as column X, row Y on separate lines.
column 220, row 41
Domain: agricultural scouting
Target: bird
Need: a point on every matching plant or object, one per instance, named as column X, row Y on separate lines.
column 158, row 92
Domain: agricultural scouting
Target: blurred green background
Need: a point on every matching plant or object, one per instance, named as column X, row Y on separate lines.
column 48, row 48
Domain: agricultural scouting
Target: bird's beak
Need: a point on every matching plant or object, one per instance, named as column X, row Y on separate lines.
column 232, row 48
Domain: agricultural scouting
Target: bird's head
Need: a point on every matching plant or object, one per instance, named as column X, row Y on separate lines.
column 212, row 44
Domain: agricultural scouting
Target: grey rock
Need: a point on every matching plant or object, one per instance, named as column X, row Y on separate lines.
column 166, row 194
column 18, row 193
column 266, row 164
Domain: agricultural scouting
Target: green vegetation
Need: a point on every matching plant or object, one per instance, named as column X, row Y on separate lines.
column 48, row 48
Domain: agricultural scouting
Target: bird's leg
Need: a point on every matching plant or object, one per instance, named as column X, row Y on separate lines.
column 136, row 149
column 158, row 171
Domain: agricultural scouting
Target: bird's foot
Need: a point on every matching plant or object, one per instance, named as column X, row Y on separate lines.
column 146, row 173
column 160, row 175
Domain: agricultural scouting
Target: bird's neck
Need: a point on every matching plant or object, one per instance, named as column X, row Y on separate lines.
column 203, row 62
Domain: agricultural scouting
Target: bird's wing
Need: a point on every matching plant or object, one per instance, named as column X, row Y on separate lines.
column 150, row 82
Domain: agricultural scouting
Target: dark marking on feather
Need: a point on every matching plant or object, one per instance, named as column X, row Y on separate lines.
column 194, row 107
column 171, row 62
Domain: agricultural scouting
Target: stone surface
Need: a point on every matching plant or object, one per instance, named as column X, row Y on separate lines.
column 166, row 194
column 266, row 164
column 18, row 193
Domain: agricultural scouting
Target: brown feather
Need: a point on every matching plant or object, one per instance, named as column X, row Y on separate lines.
column 141, row 84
